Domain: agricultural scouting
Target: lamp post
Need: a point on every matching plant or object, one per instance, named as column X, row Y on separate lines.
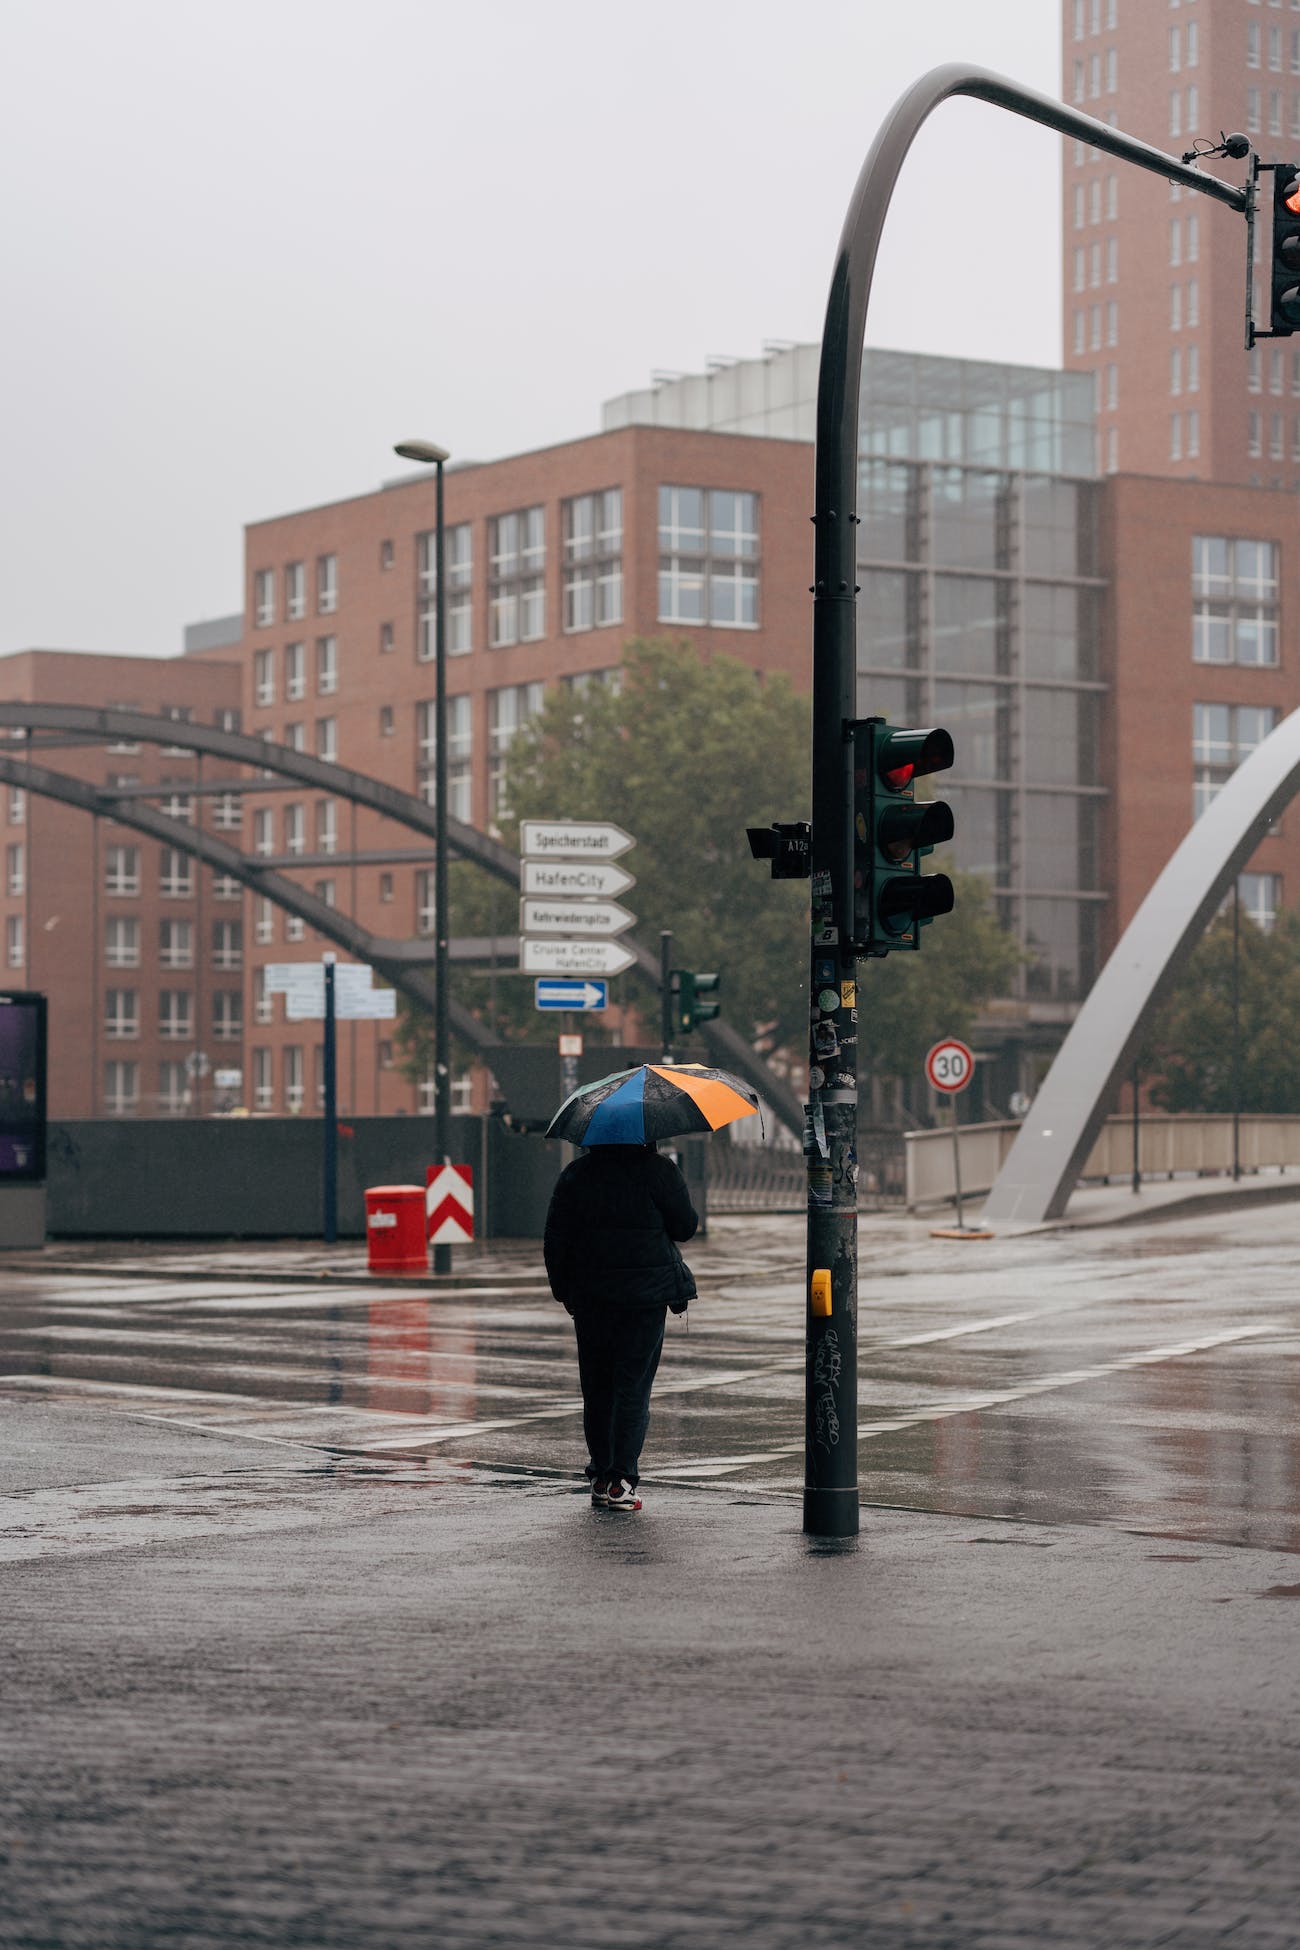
column 434, row 456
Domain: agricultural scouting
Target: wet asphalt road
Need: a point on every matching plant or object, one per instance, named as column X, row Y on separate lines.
column 309, row 1639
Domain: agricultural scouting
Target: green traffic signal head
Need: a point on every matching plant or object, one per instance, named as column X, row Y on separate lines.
column 908, row 901
column 903, row 827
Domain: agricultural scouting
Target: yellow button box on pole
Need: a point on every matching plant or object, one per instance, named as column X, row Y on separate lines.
column 821, row 1291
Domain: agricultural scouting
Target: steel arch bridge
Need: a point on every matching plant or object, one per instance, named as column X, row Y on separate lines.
column 1044, row 1163
column 405, row 963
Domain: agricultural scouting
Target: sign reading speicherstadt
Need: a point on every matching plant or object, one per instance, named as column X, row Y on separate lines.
column 572, row 839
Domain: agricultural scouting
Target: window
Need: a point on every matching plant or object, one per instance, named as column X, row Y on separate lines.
column 295, row 830
column 1094, row 259
column 1112, row 388
column 14, row 951
column 227, row 1015
column 1080, row 268
column 326, row 892
column 176, row 944
column 1191, row 43
column 1175, row 307
column 17, row 805
column 1254, row 370
column 121, row 869
column 1078, row 20
column 327, row 740
column 426, row 894
column 1193, row 369
column 1252, row 44
column 264, row 598
column 227, row 944
column 228, row 718
column 457, row 543
column 508, row 711
column 593, row 560
column 1254, row 436
column 1175, row 49
column 459, row 752
column 263, row 1087
column 327, row 665
column 293, row 1078
column 1274, row 111
column 175, row 1015
column 1080, row 330
column 1175, row 111
column 327, row 826
column 227, row 812
column 708, row 557
column 1260, row 895
column 1276, row 436
column 295, row 591
column 1275, row 50
column 121, row 1088
column 1193, row 435
column 386, row 555
column 1276, row 370
column 1175, row 240
column 177, row 805
column 1175, row 436
column 1112, row 70
column 264, row 676
column 385, row 887
column 175, row 874
column 1112, row 199
column 295, row 928
column 121, row 941
column 1112, row 260
column 1094, row 199
column 264, row 920
column 1193, row 111
column 1175, row 369
column 179, row 714
column 16, row 867
column 327, row 584
column 295, row 737
column 1112, row 321
column 173, row 1088
column 226, row 888
column 1079, row 205
column 1077, row 88
column 1222, row 736
column 264, row 831
column 386, row 721
column 1252, row 111
column 121, row 1012
column 1234, row 600
column 1094, row 75
column 262, row 1004
column 516, row 590
column 385, row 638
column 295, row 670
column 1112, row 450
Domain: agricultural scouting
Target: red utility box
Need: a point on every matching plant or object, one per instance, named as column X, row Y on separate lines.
column 395, row 1235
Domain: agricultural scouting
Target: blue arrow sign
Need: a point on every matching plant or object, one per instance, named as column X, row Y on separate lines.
column 578, row 994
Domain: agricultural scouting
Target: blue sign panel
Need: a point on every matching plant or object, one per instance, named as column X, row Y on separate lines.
column 578, row 994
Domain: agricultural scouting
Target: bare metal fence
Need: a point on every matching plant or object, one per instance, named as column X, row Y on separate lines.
column 771, row 1178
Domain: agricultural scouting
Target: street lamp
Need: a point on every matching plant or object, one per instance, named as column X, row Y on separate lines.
column 434, row 456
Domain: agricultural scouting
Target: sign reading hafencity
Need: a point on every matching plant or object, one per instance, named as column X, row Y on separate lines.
column 579, row 879
column 573, row 957
column 572, row 839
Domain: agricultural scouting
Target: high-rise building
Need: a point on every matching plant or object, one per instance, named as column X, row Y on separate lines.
column 1154, row 275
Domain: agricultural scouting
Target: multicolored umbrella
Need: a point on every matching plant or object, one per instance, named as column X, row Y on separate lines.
column 656, row 1100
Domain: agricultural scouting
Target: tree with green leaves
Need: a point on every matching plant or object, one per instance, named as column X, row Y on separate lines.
column 684, row 754
column 1187, row 1060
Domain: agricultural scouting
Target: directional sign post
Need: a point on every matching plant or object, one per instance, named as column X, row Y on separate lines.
column 570, row 995
column 567, row 914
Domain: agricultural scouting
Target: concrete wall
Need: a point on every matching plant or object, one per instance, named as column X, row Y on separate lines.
column 261, row 1178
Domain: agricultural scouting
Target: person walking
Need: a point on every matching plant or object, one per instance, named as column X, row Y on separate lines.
column 613, row 1228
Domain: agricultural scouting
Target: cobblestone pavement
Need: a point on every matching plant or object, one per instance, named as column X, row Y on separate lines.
column 312, row 1640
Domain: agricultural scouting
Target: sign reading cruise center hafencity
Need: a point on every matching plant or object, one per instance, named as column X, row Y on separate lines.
column 567, row 916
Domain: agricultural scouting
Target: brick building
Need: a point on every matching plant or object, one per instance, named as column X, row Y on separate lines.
column 1153, row 275
column 139, row 949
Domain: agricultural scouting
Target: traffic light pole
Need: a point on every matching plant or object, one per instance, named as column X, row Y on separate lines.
column 830, row 1141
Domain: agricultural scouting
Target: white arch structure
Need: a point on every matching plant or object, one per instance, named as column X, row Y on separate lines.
column 1044, row 1163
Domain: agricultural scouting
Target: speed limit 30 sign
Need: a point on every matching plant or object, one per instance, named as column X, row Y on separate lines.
column 950, row 1065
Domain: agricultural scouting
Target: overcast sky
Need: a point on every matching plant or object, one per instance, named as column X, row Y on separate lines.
column 247, row 245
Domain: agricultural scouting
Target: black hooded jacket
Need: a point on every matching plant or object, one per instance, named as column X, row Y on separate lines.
column 615, row 1216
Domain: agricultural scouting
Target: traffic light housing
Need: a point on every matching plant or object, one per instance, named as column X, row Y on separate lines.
column 892, row 829
column 695, row 999
column 1284, row 311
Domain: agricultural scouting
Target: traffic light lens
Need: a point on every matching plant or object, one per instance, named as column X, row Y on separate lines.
column 1291, row 195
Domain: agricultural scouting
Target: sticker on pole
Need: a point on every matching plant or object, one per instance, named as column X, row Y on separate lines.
column 950, row 1065
column 449, row 1204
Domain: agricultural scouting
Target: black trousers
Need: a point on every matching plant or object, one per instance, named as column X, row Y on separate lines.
column 618, row 1354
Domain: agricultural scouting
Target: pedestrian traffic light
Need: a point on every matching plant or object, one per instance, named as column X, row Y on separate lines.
column 892, row 829
column 695, row 999
column 1284, row 315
